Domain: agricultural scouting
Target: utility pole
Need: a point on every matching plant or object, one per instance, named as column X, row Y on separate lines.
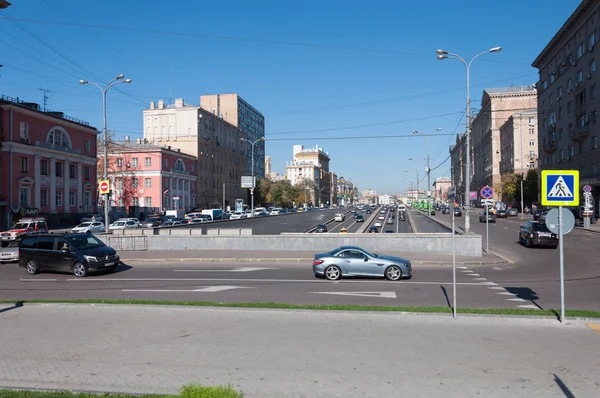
column 223, row 196
column 45, row 96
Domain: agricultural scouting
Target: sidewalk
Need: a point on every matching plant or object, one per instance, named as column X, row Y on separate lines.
column 162, row 256
column 276, row 353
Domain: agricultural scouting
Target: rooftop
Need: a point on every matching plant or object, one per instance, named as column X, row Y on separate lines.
column 38, row 108
column 124, row 146
column 510, row 90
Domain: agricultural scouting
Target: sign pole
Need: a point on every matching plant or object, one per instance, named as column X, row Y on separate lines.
column 562, row 264
column 487, row 229
column 453, row 266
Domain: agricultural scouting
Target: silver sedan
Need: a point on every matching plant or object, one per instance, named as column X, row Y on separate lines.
column 355, row 261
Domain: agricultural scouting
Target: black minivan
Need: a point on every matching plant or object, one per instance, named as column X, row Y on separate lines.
column 76, row 253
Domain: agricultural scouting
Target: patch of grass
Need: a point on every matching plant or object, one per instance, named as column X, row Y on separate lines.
column 325, row 307
column 189, row 391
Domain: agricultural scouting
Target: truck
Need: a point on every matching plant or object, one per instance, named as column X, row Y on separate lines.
column 215, row 214
column 180, row 213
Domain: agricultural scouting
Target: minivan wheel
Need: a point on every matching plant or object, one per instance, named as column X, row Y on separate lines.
column 32, row 267
column 80, row 270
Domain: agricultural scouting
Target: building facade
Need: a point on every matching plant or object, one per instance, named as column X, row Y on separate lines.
column 497, row 105
column 267, row 165
column 310, row 167
column 458, row 161
column 47, row 164
column 347, row 192
column 519, row 143
column 386, row 199
column 217, row 144
column 233, row 109
column 567, row 104
column 440, row 188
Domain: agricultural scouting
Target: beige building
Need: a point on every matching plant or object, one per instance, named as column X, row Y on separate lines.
column 458, row 161
column 310, row 166
column 519, row 143
column 233, row 109
column 568, row 97
column 267, row 165
column 440, row 188
column 497, row 105
column 216, row 143
column 347, row 192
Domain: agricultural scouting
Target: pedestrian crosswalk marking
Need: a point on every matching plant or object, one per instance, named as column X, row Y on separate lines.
column 560, row 189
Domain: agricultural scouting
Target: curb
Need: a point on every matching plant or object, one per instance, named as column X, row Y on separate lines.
column 587, row 230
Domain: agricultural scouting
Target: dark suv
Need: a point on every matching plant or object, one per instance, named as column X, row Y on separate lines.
column 537, row 234
column 76, row 253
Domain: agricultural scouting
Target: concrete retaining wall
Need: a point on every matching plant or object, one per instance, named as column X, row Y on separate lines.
column 466, row 245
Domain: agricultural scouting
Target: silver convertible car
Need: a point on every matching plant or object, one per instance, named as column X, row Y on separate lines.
column 355, row 261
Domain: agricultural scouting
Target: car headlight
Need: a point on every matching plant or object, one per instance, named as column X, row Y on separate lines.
column 90, row 258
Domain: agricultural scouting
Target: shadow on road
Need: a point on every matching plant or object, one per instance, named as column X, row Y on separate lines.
column 525, row 293
column 446, row 295
column 16, row 305
column 563, row 387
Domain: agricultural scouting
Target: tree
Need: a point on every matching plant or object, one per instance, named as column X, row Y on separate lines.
column 283, row 194
column 510, row 185
column 263, row 191
column 123, row 178
column 530, row 187
column 304, row 193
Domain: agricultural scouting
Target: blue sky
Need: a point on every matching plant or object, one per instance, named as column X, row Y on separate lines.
column 318, row 70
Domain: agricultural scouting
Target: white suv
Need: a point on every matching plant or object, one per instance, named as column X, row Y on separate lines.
column 340, row 217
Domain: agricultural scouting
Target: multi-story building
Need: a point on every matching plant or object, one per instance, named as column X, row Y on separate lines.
column 347, row 192
column 215, row 142
column 4, row 4
column 386, row 199
column 267, row 165
column 152, row 177
column 568, row 97
column 458, row 161
column 519, row 143
column 47, row 164
column 233, row 109
column 497, row 105
column 440, row 188
column 310, row 166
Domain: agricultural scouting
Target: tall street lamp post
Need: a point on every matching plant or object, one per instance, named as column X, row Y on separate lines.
column 253, row 181
column 117, row 80
column 441, row 55
column 427, row 169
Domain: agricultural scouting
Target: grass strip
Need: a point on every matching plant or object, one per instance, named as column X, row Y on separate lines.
column 188, row 391
column 325, row 307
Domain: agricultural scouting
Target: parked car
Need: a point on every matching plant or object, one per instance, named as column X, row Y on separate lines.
column 355, row 261
column 92, row 217
column 152, row 222
column 389, row 231
column 118, row 225
column 170, row 223
column 236, row 215
column 457, row 212
column 89, row 228
column 542, row 216
column 339, row 217
column 321, row 228
column 10, row 252
column 25, row 226
column 537, row 234
column 197, row 220
column 446, row 210
column 502, row 214
column 487, row 216
column 537, row 213
column 76, row 253
column 135, row 221
column 359, row 218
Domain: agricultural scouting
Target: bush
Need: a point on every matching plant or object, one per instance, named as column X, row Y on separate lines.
column 198, row 391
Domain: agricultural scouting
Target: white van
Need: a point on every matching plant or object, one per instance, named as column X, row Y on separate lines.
column 340, row 217
column 215, row 214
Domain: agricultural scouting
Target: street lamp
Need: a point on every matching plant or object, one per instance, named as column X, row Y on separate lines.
column 441, row 55
column 117, row 80
column 253, row 182
column 427, row 169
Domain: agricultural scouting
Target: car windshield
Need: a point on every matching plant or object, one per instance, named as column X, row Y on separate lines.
column 84, row 224
column 85, row 241
column 119, row 223
column 21, row 225
column 540, row 227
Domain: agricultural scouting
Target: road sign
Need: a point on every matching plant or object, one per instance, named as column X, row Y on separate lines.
column 175, row 197
column 487, row 202
column 587, row 189
column 560, row 187
column 487, row 192
column 103, row 187
column 248, row 182
column 568, row 220
column 451, row 192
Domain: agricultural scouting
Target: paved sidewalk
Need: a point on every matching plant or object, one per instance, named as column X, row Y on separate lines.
column 158, row 256
column 275, row 353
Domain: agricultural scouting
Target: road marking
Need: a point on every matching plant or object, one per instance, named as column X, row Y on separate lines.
column 498, row 268
column 517, row 299
column 473, row 274
column 505, row 228
column 496, row 288
column 362, row 294
column 586, row 238
column 479, row 279
column 462, row 267
column 244, row 269
column 506, row 293
column 209, row 289
column 594, row 326
column 529, row 306
column 37, row 280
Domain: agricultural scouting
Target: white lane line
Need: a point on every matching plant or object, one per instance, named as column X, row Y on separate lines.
column 462, row 267
column 529, row 306
column 496, row 288
column 362, row 294
column 480, row 279
column 473, row 274
column 518, row 299
column 505, row 228
column 242, row 280
column 506, row 293
column 209, row 289
column 37, row 280
column 244, row 269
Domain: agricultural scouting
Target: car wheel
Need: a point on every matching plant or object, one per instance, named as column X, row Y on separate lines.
column 393, row 273
column 333, row 273
column 32, row 267
column 80, row 270
column 554, row 246
column 527, row 243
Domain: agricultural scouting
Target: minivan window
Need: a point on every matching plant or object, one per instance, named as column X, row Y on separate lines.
column 46, row 243
column 85, row 242
column 29, row 243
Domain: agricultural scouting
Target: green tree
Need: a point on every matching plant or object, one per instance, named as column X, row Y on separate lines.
column 510, row 185
column 530, row 187
column 262, row 191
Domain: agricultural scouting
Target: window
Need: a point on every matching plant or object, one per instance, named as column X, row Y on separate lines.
column 593, row 91
column 135, row 201
column 23, row 164
column 59, row 197
column 58, row 137
column 148, row 162
column 544, row 84
column 86, row 145
column 180, row 184
column 595, row 142
column 592, row 40
column 72, row 173
column 59, row 171
column 24, row 196
column 72, row 198
column 531, row 154
column 148, row 182
column 551, row 99
column 593, row 117
column 134, row 182
column 531, row 131
column 582, row 120
column 579, row 76
column 45, row 243
column 185, row 185
column 532, row 165
column 569, row 85
column 148, row 201
column 44, row 167
column 560, row 111
column 560, row 92
column 179, row 166
column 552, row 77
column 44, row 197
column 569, row 107
column 562, row 154
column 119, row 162
column 24, row 131
column 531, row 143
column 134, row 162
column 572, row 150
column 580, row 51
column 592, row 66
column 166, row 163
column 87, row 198
column 119, row 183
column 86, row 171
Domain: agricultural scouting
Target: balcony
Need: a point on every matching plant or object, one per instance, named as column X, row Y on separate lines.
column 550, row 147
column 580, row 133
column 57, row 147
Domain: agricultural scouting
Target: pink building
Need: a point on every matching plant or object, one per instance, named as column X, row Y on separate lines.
column 150, row 176
column 47, row 164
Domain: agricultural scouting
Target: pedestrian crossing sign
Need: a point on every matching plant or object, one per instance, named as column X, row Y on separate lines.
column 560, row 187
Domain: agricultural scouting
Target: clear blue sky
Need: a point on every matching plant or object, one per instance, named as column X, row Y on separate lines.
column 310, row 65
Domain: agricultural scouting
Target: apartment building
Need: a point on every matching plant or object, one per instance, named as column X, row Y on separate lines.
column 458, row 161
column 310, row 166
column 217, row 144
column 497, row 106
column 568, row 97
column 347, row 192
column 233, row 109
column 519, row 143
column 440, row 188
column 47, row 164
